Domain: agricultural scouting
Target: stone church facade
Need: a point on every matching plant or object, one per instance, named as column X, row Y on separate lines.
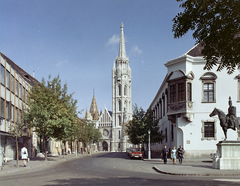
column 112, row 124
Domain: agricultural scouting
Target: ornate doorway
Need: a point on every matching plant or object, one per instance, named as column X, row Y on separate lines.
column 105, row 146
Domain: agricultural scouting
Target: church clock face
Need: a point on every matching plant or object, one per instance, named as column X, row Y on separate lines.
column 105, row 132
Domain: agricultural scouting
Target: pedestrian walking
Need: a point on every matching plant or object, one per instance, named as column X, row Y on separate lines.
column 24, row 155
column 165, row 152
column 180, row 152
column 174, row 155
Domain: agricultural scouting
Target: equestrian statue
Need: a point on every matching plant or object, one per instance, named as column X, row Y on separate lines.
column 229, row 121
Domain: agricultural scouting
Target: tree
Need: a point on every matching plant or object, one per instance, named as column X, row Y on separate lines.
column 216, row 26
column 51, row 110
column 18, row 130
column 142, row 121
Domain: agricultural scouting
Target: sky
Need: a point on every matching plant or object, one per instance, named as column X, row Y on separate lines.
column 79, row 41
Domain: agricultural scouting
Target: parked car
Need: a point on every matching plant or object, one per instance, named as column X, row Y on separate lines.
column 212, row 155
column 136, row 153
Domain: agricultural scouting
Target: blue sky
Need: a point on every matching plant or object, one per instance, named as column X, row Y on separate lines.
column 79, row 40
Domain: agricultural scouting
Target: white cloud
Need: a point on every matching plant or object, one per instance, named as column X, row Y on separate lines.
column 136, row 50
column 60, row 63
column 113, row 40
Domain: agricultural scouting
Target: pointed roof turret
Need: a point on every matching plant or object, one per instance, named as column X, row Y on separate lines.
column 122, row 50
column 94, row 109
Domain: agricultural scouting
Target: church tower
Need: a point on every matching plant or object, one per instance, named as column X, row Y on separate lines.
column 121, row 97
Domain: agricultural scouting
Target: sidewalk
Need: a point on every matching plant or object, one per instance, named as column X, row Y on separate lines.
column 191, row 167
column 10, row 166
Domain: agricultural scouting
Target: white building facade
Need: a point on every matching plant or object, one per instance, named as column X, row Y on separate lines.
column 185, row 99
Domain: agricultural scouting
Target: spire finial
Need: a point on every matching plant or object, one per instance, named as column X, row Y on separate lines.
column 122, row 50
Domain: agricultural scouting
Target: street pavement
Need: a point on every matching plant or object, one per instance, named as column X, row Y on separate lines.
column 190, row 167
column 10, row 167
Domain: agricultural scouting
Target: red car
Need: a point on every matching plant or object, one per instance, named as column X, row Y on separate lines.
column 136, row 153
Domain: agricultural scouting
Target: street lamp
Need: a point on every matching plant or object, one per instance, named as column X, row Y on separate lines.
column 149, row 150
column 76, row 145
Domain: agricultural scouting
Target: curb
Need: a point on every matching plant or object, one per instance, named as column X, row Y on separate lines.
column 186, row 174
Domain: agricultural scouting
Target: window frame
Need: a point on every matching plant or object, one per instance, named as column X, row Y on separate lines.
column 209, row 78
column 214, row 137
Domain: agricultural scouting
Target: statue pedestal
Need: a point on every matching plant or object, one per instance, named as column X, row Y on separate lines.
column 228, row 155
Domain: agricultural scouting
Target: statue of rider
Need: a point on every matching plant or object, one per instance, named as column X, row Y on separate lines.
column 231, row 116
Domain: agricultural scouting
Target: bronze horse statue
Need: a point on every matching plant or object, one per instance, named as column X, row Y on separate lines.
column 224, row 121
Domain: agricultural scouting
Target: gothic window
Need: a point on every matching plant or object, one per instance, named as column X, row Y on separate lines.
column 119, row 120
column 119, row 105
column 208, row 87
column 119, row 134
column 125, row 90
column 119, row 90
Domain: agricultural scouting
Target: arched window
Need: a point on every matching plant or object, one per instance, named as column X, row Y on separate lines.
column 119, row 90
column 119, row 120
column 125, row 90
column 119, row 105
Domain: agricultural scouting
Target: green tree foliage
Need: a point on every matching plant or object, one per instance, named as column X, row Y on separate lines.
column 51, row 111
column 216, row 25
column 17, row 131
column 142, row 121
column 86, row 132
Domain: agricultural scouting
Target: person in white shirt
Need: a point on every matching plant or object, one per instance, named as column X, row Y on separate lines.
column 24, row 155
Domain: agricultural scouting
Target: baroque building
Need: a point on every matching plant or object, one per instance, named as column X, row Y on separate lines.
column 112, row 124
column 186, row 97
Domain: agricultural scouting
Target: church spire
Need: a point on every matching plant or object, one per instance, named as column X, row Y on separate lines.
column 122, row 50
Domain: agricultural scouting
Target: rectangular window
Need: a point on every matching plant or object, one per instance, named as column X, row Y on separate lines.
column 23, row 94
column 16, row 115
column 208, row 90
column 172, row 132
column 181, row 92
column 2, row 108
column 12, row 83
column 166, row 135
column 16, row 87
column 189, row 92
column 20, row 91
column 209, row 129
column 3, row 75
column 172, row 93
column 8, row 110
column 8, row 79
column 12, row 114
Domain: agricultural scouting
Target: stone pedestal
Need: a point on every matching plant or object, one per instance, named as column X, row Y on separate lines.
column 228, row 155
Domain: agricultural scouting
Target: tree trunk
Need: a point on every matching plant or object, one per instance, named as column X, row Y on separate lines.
column 17, row 150
column 45, row 148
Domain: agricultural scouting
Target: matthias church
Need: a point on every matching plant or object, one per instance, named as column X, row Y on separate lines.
column 112, row 123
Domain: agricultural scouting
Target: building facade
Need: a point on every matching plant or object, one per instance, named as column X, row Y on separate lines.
column 186, row 97
column 14, row 90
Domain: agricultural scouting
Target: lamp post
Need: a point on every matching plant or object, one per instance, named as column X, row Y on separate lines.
column 149, row 149
column 76, row 145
